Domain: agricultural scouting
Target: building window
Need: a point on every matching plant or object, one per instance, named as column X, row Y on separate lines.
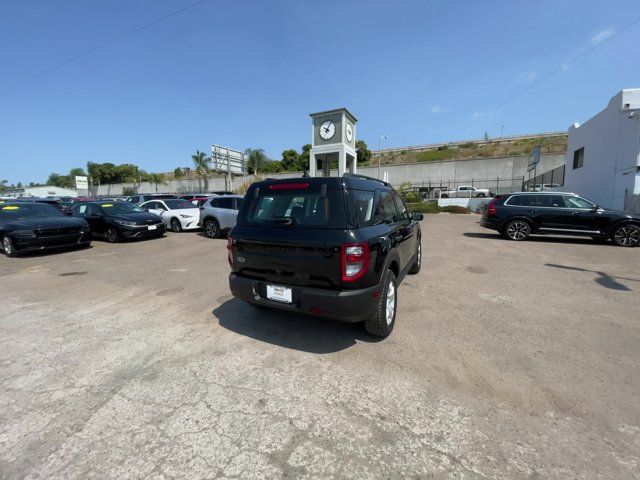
column 578, row 158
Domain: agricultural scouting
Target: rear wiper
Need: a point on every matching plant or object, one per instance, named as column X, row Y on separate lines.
column 285, row 220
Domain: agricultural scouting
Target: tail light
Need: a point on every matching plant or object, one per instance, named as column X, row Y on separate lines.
column 354, row 261
column 230, row 243
column 491, row 208
column 289, row 186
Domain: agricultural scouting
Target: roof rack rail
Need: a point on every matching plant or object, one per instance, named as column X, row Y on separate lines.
column 366, row 178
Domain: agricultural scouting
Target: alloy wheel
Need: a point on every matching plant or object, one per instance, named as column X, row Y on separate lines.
column 211, row 229
column 7, row 246
column 518, row 230
column 391, row 302
column 175, row 225
column 627, row 236
column 419, row 255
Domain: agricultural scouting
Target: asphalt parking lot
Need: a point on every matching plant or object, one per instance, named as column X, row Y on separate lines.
column 508, row 360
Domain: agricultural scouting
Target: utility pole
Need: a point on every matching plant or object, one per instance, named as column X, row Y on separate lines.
column 383, row 137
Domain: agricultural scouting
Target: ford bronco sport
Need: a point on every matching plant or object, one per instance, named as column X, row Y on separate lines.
column 334, row 247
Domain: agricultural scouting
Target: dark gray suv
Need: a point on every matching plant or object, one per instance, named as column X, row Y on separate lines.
column 518, row 215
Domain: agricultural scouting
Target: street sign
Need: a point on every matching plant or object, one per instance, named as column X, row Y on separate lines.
column 227, row 160
column 534, row 160
column 82, row 183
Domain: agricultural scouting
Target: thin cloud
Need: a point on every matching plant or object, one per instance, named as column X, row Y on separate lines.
column 601, row 36
column 439, row 109
column 480, row 114
column 528, row 76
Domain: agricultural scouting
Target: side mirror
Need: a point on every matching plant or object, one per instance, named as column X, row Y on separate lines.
column 417, row 216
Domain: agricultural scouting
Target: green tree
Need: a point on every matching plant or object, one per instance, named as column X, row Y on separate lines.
column 57, row 180
column 19, row 185
column 178, row 173
column 363, row 152
column 77, row 172
column 304, row 157
column 201, row 162
column 256, row 158
column 290, row 160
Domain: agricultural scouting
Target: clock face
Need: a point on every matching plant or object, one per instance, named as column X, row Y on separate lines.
column 349, row 132
column 327, row 130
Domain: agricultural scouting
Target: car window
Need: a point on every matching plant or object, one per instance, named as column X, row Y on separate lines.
column 361, row 207
column 521, row 201
column 177, row 204
column 400, row 206
column 307, row 208
column 385, row 210
column 80, row 210
column 238, row 203
column 577, row 202
column 214, row 203
column 225, row 202
column 550, row 201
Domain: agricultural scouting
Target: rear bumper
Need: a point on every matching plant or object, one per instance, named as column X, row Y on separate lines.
column 491, row 223
column 344, row 305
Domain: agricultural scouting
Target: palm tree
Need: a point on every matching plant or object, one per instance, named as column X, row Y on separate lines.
column 255, row 158
column 201, row 162
column 156, row 179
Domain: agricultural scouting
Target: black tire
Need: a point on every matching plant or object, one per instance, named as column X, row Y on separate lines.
column 417, row 262
column 444, row 195
column 212, row 228
column 382, row 321
column 627, row 235
column 111, row 235
column 480, row 195
column 517, row 230
column 8, row 247
column 175, row 224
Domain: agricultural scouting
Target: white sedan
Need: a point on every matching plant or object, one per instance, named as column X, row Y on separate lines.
column 176, row 213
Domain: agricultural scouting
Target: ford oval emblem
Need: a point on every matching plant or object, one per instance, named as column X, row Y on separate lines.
column 240, row 259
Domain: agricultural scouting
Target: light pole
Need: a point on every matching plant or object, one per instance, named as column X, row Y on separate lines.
column 383, row 137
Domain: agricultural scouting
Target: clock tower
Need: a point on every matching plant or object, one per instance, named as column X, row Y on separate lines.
column 333, row 143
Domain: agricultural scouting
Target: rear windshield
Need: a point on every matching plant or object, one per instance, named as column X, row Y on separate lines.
column 286, row 208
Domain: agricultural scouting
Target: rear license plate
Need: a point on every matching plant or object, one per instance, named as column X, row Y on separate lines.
column 153, row 227
column 278, row 293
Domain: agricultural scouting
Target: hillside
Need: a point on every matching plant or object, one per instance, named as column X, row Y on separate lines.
column 552, row 143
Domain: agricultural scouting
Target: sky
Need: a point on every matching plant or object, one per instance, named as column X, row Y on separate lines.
column 246, row 74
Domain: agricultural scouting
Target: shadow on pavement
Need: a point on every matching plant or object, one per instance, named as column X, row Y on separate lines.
column 296, row 331
column 603, row 279
column 537, row 238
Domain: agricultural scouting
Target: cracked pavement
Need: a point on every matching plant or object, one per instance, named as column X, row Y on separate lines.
column 509, row 360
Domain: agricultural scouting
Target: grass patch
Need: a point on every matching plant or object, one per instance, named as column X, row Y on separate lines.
column 432, row 207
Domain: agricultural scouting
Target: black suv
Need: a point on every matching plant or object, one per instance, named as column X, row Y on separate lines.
column 518, row 215
column 334, row 247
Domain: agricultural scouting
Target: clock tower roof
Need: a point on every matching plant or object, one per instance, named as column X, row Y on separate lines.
column 335, row 110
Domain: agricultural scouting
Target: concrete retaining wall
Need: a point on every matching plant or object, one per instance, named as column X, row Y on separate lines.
column 483, row 171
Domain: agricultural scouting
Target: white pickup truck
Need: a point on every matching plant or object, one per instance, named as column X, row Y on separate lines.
column 466, row 191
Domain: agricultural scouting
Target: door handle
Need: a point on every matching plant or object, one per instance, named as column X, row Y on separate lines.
column 575, row 214
column 533, row 211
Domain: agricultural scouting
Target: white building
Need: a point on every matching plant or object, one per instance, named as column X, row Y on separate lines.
column 603, row 154
column 49, row 191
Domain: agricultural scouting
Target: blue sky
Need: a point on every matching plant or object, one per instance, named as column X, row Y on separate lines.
column 248, row 73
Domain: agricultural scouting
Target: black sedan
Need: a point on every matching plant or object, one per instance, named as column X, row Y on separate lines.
column 520, row 214
column 33, row 226
column 116, row 221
